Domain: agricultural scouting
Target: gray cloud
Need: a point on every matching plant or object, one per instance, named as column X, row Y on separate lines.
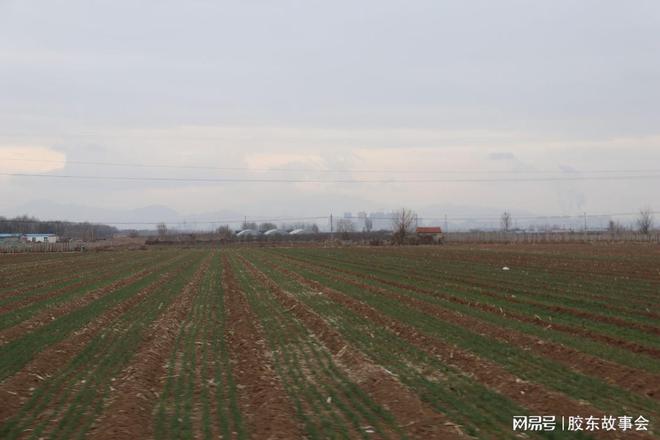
column 501, row 156
column 425, row 85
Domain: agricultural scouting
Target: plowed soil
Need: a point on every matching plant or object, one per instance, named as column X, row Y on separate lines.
column 398, row 332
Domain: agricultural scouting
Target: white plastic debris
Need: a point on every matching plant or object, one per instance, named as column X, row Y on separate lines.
column 506, row 268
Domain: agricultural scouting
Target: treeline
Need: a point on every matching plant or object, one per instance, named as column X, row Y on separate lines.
column 31, row 225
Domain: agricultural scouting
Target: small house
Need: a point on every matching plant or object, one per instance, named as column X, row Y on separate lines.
column 429, row 234
column 40, row 238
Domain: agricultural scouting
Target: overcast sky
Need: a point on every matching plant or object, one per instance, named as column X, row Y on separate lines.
column 412, row 89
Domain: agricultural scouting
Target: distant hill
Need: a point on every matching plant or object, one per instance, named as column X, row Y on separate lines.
column 141, row 218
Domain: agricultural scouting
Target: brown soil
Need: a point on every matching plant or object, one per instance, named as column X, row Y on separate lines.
column 16, row 390
column 32, row 299
column 128, row 411
column 418, row 419
column 654, row 330
column 263, row 401
column 513, row 286
column 635, row 307
column 521, row 262
column 638, row 381
column 44, row 274
column 573, row 260
column 628, row 345
column 60, row 310
column 531, row 395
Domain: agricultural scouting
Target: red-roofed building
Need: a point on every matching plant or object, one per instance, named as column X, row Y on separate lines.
column 429, row 233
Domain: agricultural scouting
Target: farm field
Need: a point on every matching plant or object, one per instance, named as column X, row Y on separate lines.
column 309, row 342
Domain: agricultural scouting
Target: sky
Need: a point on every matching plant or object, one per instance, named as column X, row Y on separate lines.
column 545, row 107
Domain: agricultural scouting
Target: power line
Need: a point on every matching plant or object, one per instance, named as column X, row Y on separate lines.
column 180, row 222
column 339, row 181
column 324, row 217
column 326, row 170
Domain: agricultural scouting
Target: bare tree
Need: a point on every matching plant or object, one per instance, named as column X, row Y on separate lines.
column 645, row 220
column 614, row 227
column 263, row 227
column 162, row 230
column 224, row 232
column 505, row 221
column 368, row 224
column 249, row 225
column 403, row 223
column 344, row 227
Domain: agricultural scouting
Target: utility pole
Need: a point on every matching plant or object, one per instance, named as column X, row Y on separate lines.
column 585, row 222
column 331, row 228
column 446, row 227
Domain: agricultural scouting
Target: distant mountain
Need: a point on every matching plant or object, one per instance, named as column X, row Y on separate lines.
column 141, row 218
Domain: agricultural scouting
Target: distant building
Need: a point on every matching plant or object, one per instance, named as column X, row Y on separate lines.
column 362, row 221
column 40, row 238
column 9, row 237
column 429, row 233
column 381, row 221
column 30, row 238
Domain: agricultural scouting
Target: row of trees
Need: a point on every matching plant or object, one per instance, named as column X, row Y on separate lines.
column 31, row 225
column 644, row 222
column 404, row 222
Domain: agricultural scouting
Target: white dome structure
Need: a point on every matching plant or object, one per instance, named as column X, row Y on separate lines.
column 247, row 233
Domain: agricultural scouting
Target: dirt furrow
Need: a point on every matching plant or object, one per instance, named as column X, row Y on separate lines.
column 511, row 287
column 128, row 412
column 33, row 299
column 530, row 395
column 212, row 366
column 417, row 418
column 57, row 275
column 556, row 308
column 17, row 389
column 60, row 310
column 437, row 265
column 263, row 400
column 465, row 280
column 628, row 345
column 638, row 381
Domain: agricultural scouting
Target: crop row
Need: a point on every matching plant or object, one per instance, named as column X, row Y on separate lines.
column 604, row 340
column 64, row 403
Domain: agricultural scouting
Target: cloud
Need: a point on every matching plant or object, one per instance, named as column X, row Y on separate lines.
column 567, row 169
column 501, row 156
column 30, row 159
column 261, row 161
